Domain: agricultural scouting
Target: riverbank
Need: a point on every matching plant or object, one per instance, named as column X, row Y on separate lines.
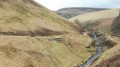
column 97, row 38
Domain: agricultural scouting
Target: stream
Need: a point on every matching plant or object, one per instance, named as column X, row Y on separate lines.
column 98, row 53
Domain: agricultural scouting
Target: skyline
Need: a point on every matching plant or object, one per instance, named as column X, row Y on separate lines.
column 58, row 4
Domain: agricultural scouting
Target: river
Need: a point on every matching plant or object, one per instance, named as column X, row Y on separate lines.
column 98, row 53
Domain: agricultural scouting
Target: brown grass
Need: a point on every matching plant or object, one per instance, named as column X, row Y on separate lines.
column 52, row 51
column 18, row 16
column 97, row 15
column 111, row 52
column 30, row 36
column 112, row 62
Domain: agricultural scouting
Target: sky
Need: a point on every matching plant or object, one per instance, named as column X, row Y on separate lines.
column 57, row 4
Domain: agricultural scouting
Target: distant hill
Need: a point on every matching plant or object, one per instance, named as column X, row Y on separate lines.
column 106, row 19
column 75, row 11
column 97, row 15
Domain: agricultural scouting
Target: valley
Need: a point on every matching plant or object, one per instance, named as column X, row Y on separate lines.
column 32, row 35
column 103, row 23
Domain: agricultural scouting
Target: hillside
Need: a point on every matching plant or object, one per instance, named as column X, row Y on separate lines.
column 115, row 26
column 105, row 19
column 27, row 16
column 75, row 11
column 33, row 36
column 106, row 22
column 112, row 62
column 109, row 56
column 97, row 15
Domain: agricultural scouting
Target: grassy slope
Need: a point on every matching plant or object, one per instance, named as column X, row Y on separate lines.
column 112, row 62
column 106, row 19
column 110, row 52
column 97, row 15
column 21, row 51
column 24, row 17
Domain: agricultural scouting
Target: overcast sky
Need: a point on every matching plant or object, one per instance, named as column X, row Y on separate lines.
column 57, row 4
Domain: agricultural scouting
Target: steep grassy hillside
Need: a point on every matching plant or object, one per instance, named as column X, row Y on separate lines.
column 33, row 36
column 25, row 17
column 116, row 26
column 112, row 62
column 109, row 53
column 106, row 22
column 75, row 11
column 25, row 51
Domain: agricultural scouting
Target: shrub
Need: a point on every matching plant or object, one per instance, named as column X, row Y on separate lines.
column 77, row 22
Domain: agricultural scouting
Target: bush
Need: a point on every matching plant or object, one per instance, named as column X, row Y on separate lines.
column 77, row 22
column 90, row 25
